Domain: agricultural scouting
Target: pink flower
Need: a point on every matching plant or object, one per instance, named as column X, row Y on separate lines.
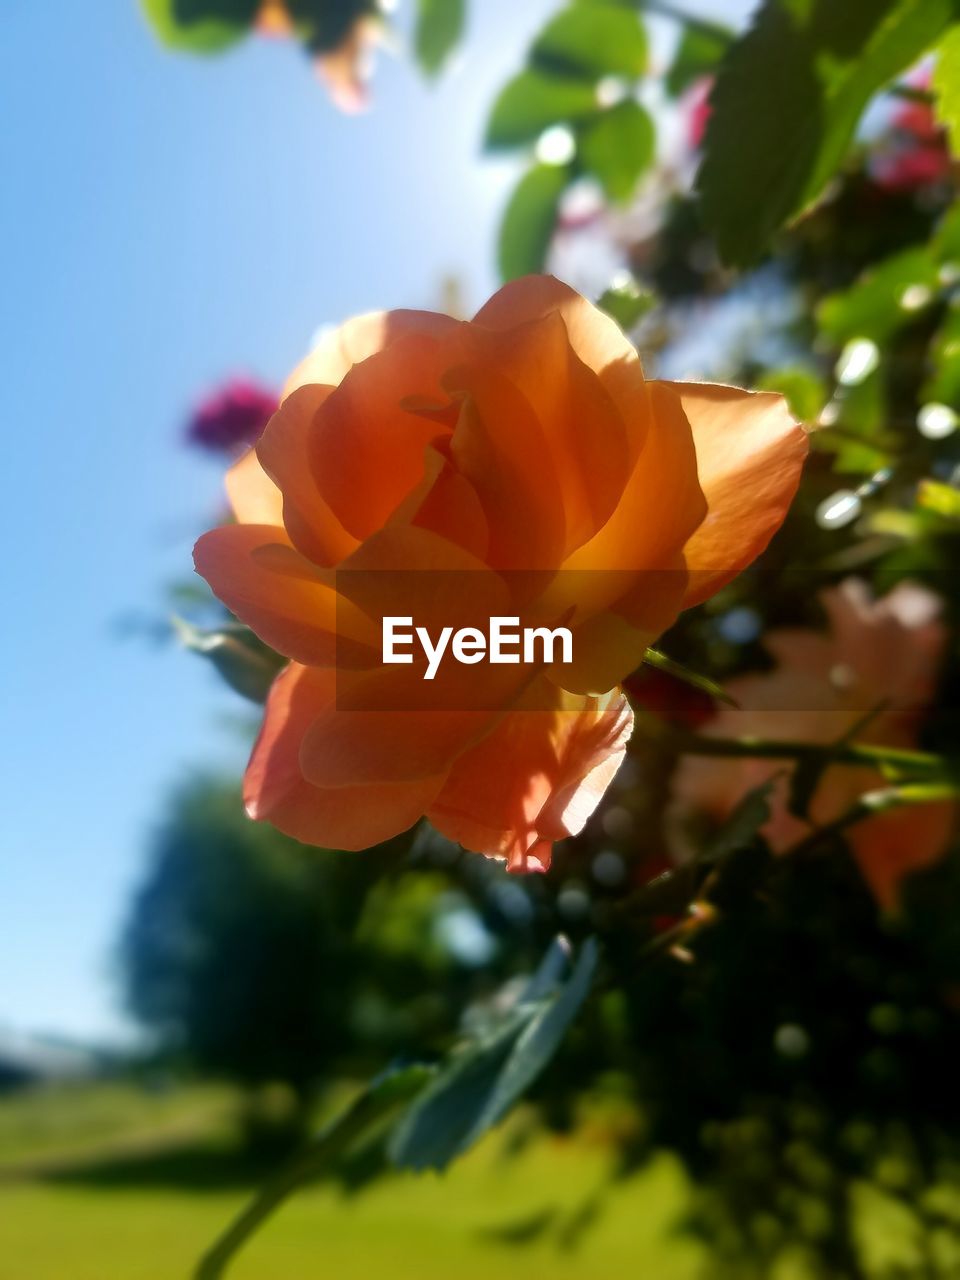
column 914, row 153
column 878, row 656
column 233, row 417
column 699, row 110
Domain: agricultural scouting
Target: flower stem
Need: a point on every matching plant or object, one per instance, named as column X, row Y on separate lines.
column 914, row 762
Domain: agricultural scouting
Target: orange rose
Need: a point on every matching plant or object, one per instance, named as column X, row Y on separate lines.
column 515, row 464
column 879, row 656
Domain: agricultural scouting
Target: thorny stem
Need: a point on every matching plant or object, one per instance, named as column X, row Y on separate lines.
column 376, row 1102
column 870, row 804
column 918, row 763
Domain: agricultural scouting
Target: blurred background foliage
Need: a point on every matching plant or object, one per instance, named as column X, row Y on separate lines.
column 772, row 206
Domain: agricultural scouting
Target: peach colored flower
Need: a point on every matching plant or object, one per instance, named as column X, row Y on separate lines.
column 273, row 19
column 346, row 69
column 519, row 464
column 344, row 63
column 878, row 655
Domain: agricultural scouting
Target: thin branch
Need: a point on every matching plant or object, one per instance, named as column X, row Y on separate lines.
column 663, row 9
column 921, row 763
column 373, row 1105
column 869, row 805
column 913, row 93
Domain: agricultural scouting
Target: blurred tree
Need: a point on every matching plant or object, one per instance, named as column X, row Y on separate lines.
column 257, row 959
column 238, row 948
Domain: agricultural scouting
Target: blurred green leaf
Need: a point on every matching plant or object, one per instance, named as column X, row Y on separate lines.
column 529, row 220
column 484, row 1080
column 890, row 295
column 242, row 660
column 617, row 147
column 860, row 439
column 597, row 39
column 943, row 384
column 946, row 85
column 945, row 245
column 741, row 828
column 787, row 101
column 201, row 26
column 803, row 389
column 627, row 302
column 439, row 29
column 698, row 54
column 942, row 499
column 534, row 100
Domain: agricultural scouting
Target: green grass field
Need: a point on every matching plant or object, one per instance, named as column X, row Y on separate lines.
column 109, row 1184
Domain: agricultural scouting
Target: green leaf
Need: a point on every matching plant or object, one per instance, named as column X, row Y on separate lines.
column 941, row 499
column 201, row 26
column 529, row 220
column 700, row 50
column 741, row 828
column 374, row 1105
column 439, row 29
column 598, row 39
column 945, row 245
column 617, row 147
column 242, row 660
column 943, row 384
column 787, row 101
column 889, row 296
column 654, row 658
column 672, row 892
column 946, row 85
column 534, row 100
column 539, row 1041
column 803, row 389
column 627, row 302
column 484, row 1080
column 861, row 438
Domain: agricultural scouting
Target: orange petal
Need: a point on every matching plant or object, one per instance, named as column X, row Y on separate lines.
column 750, row 454
column 366, row 446
column 341, row 348
column 626, row 585
column 401, row 743
column 893, row 845
column 611, row 644
column 389, row 723
column 284, row 453
column 537, row 777
column 446, row 503
column 634, row 564
column 290, row 609
column 275, row 790
column 597, row 340
column 591, row 446
column 501, row 448
column 254, row 498
column 407, row 569
column 662, row 502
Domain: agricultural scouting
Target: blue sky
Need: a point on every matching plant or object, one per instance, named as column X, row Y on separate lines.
column 165, row 221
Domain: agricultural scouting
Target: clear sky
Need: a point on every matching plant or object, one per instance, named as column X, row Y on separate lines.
column 165, row 221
